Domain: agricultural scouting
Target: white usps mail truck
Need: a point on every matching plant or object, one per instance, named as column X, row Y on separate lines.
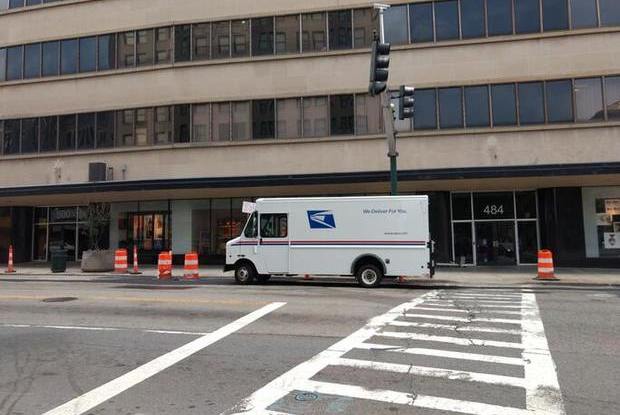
column 367, row 237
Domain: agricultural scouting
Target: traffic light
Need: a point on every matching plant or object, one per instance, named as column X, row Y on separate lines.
column 379, row 64
column 406, row 102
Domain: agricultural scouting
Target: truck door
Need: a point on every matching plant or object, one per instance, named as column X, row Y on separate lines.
column 274, row 243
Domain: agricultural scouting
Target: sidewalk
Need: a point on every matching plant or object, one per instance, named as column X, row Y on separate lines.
column 446, row 276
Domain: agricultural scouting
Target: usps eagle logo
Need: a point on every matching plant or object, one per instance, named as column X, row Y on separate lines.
column 321, row 219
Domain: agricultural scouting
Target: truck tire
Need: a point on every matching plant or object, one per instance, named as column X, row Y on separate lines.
column 245, row 273
column 263, row 278
column 369, row 276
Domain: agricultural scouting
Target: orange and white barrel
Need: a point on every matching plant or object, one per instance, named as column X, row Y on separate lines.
column 546, row 271
column 10, row 269
column 164, row 265
column 120, row 261
column 190, row 268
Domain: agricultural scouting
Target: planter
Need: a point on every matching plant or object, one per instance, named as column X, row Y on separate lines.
column 98, row 261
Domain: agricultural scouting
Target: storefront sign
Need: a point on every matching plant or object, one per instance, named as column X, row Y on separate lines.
column 494, row 206
column 612, row 240
column 63, row 214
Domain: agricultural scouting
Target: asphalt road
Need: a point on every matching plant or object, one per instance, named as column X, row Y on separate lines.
column 135, row 346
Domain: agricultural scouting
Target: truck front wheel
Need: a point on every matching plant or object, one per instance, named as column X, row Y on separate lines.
column 369, row 276
column 245, row 273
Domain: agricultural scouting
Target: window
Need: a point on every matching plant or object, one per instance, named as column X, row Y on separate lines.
column 86, row 131
column 559, row 101
column 472, row 18
column 182, row 42
column 51, row 52
column 251, row 228
column 69, row 56
column 477, row 106
column 14, row 63
column 395, row 21
column 610, row 12
column 589, row 99
column 16, row 3
column 106, row 58
column 221, row 122
column 425, row 114
column 365, row 22
column 421, row 22
column 32, row 61
column 124, row 128
column 126, row 50
column 240, row 30
column 12, row 131
column 499, row 17
column 289, row 118
column 287, row 34
column 313, row 34
column 527, row 16
column 315, row 116
column 263, row 118
column 30, row 135
column 163, row 45
column 341, row 107
column 584, row 13
column 144, row 125
column 526, row 205
column 182, row 123
column 494, row 205
column 105, row 129
column 450, row 108
column 446, row 20
column 504, row 104
column 262, row 36
column 531, row 103
column 163, row 125
column 88, row 54
column 612, row 94
column 555, row 15
column 144, row 48
column 241, row 121
column 340, row 27
column 368, row 115
column 49, row 134
column 66, row 130
column 201, row 123
column 220, row 46
column 461, row 206
column 2, row 64
column 274, row 225
column 201, row 41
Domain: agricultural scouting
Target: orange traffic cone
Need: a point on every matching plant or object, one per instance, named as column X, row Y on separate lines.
column 190, row 267
column 546, row 272
column 10, row 269
column 164, row 266
column 135, row 270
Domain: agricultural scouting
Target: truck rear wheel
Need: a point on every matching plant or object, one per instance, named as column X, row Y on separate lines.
column 369, row 276
column 245, row 273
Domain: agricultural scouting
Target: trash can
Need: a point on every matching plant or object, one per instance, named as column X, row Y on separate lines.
column 59, row 260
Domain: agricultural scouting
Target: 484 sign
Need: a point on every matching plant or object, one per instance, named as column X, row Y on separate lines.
column 493, row 210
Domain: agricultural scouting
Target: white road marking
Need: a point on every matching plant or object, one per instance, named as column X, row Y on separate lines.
column 85, row 328
column 107, row 391
column 452, row 340
column 486, row 295
column 431, row 372
column 515, row 361
column 454, row 327
column 543, row 390
column 499, row 300
column 457, row 310
column 449, row 303
column 464, row 319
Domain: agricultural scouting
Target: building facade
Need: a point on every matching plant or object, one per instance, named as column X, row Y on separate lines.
column 174, row 113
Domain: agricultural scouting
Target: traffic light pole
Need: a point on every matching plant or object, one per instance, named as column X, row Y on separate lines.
column 388, row 115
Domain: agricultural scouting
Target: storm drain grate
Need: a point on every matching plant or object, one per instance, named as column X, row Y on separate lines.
column 59, row 299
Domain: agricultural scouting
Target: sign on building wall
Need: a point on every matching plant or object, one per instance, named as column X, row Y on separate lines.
column 611, row 240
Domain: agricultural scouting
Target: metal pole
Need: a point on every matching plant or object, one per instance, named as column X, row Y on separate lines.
column 388, row 114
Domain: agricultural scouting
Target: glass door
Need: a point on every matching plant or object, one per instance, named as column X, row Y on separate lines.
column 63, row 237
column 495, row 243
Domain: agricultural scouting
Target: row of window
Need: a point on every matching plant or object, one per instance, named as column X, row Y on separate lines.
column 302, row 33
column 320, row 116
column 496, row 105
column 511, row 104
column 15, row 4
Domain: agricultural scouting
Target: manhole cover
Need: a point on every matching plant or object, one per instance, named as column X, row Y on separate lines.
column 306, row 396
column 59, row 299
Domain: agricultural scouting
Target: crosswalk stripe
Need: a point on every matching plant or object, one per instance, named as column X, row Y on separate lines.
column 463, row 319
column 454, row 327
column 515, row 361
column 402, row 398
column 449, row 374
column 452, row 340
column 457, row 310
column 485, row 295
column 449, row 303
column 495, row 299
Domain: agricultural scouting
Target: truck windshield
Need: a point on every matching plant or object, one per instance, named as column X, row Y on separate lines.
column 251, row 228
